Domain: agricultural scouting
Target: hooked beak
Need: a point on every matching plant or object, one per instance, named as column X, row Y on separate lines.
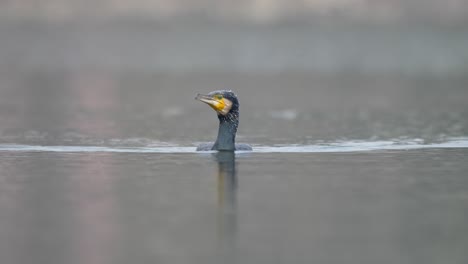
column 217, row 104
column 206, row 99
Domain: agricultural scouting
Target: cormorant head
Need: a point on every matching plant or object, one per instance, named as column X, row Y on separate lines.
column 226, row 105
column 224, row 102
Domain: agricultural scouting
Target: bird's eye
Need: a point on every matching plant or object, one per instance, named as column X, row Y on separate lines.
column 219, row 97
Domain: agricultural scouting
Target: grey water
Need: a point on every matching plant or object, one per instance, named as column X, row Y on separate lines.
column 360, row 139
column 366, row 207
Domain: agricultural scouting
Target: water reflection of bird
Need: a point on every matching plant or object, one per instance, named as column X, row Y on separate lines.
column 227, row 207
column 226, row 105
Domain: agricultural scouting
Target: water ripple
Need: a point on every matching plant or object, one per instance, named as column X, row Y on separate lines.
column 343, row 146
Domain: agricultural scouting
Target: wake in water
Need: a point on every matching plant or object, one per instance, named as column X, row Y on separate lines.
column 343, row 146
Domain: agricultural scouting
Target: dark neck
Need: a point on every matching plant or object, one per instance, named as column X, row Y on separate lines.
column 227, row 132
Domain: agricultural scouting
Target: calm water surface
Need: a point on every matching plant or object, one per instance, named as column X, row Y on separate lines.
column 360, row 138
column 372, row 207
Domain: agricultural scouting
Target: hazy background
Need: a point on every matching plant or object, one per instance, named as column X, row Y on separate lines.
column 82, row 80
column 387, row 11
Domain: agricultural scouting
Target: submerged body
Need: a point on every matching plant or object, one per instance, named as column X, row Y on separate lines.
column 226, row 105
column 211, row 146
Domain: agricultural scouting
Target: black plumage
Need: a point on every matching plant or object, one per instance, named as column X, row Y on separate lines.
column 226, row 104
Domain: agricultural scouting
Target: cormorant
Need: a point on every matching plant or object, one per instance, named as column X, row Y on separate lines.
column 226, row 105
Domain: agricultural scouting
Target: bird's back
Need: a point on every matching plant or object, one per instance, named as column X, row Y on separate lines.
column 205, row 147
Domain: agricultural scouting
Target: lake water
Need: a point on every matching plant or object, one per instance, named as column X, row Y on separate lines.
column 360, row 145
